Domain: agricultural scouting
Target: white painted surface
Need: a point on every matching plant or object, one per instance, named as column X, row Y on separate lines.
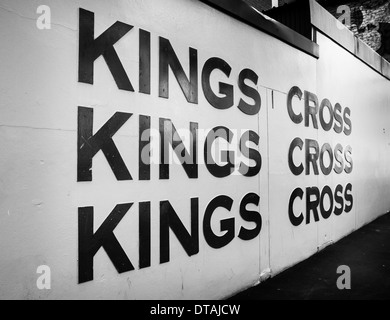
column 39, row 192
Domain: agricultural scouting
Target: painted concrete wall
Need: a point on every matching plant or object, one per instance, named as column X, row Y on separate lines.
column 41, row 196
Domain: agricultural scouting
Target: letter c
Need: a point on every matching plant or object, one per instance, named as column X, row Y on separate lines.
column 296, row 221
column 294, row 91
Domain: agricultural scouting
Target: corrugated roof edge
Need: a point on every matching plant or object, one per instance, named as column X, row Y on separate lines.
column 325, row 22
column 246, row 14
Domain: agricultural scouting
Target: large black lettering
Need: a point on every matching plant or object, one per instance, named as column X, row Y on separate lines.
column 250, row 216
column 326, row 191
column 144, row 148
column 339, row 200
column 90, row 49
column 295, row 220
column 312, row 157
column 338, row 119
column 348, row 198
column 326, row 148
column 170, row 221
column 348, row 159
column 339, row 163
column 296, row 170
column 347, row 121
column 169, row 136
column 88, row 145
column 226, row 90
column 227, row 225
column 144, row 235
column 144, row 61
column 90, row 243
column 250, row 153
column 326, row 125
column 311, row 110
column 250, row 92
column 168, row 59
column 227, row 156
column 294, row 92
column 312, row 205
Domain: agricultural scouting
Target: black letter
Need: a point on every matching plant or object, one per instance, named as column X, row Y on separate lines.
column 227, row 225
column 339, row 159
column 224, row 89
column 250, row 216
column 338, row 128
column 347, row 120
column 169, row 135
column 170, row 220
column 227, row 156
column 90, row 49
column 296, row 221
column 339, row 200
column 348, row 197
column 297, row 142
column 348, row 159
column 90, row 243
column 251, row 154
column 144, row 61
column 310, row 157
column 144, row 148
column 89, row 145
column 294, row 91
column 312, row 205
column 249, row 92
column 144, row 235
column 326, row 148
column 168, row 59
column 326, row 104
column 326, row 213
column 311, row 110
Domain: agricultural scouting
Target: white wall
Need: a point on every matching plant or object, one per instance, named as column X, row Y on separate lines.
column 39, row 192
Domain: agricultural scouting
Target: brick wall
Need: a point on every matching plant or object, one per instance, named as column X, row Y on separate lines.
column 370, row 21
